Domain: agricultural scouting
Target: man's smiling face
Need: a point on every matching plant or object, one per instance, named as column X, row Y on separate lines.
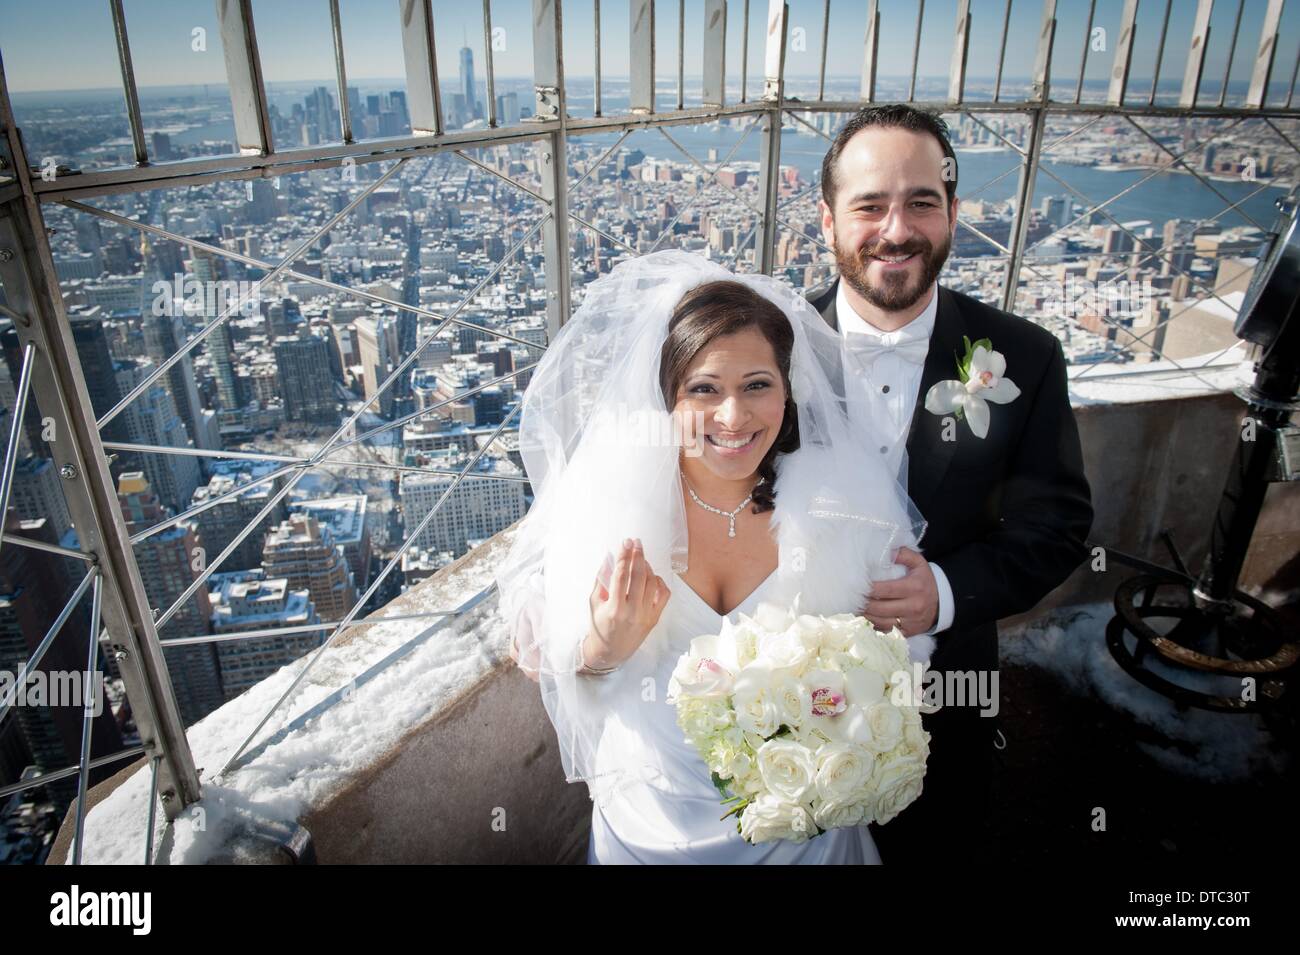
column 892, row 225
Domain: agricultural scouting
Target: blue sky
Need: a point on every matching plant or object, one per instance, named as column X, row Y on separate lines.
column 74, row 49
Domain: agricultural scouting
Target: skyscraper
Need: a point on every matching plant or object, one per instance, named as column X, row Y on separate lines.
column 467, row 83
column 152, row 419
column 303, row 369
column 304, row 553
column 207, row 269
column 169, row 563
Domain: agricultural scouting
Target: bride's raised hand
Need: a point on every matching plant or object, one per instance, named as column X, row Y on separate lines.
column 625, row 611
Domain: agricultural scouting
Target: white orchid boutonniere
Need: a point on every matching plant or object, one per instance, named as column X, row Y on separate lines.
column 981, row 380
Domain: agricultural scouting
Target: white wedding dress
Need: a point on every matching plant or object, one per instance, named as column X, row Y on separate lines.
column 675, row 819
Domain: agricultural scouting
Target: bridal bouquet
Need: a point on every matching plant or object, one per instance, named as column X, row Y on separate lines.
column 806, row 722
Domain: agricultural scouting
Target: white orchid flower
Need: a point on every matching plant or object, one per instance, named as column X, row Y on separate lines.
column 984, row 383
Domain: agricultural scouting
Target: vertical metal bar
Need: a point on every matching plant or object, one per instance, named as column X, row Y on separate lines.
column 744, row 57
column 681, row 53
column 1160, row 54
column 340, row 69
column 1087, row 42
column 1232, row 52
column 423, row 95
column 595, row 10
column 770, row 150
column 87, row 721
column 153, row 811
column 641, row 62
column 1024, row 193
column 960, row 48
column 489, row 69
column 1264, row 57
column 244, row 74
column 548, row 68
column 1196, row 54
column 1123, row 55
column 19, row 412
column 1002, row 51
column 1290, row 95
column 59, row 388
column 821, row 69
column 916, row 50
column 715, row 52
column 128, row 82
column 870, row 51
column 1043, row 60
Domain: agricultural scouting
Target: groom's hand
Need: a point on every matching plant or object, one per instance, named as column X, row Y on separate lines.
column 912, row 599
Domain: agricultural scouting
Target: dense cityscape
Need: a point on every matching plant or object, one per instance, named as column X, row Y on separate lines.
column 231, row 537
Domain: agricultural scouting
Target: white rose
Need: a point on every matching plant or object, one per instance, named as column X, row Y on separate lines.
column 886, row 723
column 787, row 769
column 792, row 701
column 838, row 814
column 758, row 713
column 898, row 782
column 784, row 650
column 768, row 818
column 842, row 771
column 872, row 650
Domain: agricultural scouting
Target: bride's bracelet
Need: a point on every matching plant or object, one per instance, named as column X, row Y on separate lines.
column 587, row 667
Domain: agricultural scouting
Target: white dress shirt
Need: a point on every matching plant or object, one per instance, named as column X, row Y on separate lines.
column 895, row 361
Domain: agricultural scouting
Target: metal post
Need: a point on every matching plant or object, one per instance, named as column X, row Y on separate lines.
column 548, row 70
column 1196, row 54
column 960, row 46
column 244, row 74
column 715, row 52
column 87, row 720
column 641, row 63
column 916, row 49
column 770, row 150
column 870, row 51
column 1259, row 77
column 1123, row 55
column 595, row 10
column 341, row 72
column 423, row 97
column 128, row 82
column 488, row 68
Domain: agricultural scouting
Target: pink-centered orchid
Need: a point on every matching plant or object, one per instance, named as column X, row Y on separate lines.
column 982, row 380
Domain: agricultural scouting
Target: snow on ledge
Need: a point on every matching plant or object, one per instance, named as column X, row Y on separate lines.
column 370, row 688
column 1162, row 380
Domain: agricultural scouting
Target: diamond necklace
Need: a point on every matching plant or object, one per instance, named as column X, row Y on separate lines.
column 729, row 515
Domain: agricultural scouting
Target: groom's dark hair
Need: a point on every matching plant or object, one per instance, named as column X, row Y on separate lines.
column 725, row 307
column 893, row 116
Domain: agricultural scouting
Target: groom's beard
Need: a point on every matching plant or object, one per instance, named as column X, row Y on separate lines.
column 896, row 293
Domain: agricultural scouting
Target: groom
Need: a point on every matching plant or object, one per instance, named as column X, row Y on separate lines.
column 1000, row 482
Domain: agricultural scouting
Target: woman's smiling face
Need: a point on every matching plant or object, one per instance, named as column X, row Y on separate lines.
column 732, row 390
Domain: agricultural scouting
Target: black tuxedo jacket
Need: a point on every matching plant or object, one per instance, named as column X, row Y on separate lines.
column 1007, row 515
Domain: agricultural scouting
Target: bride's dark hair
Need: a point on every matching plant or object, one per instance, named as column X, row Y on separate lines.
column 724, row 307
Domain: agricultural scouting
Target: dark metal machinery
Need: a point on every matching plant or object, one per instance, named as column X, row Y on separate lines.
column 1217, row 628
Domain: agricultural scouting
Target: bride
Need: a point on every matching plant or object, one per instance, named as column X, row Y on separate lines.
column 693, row 455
